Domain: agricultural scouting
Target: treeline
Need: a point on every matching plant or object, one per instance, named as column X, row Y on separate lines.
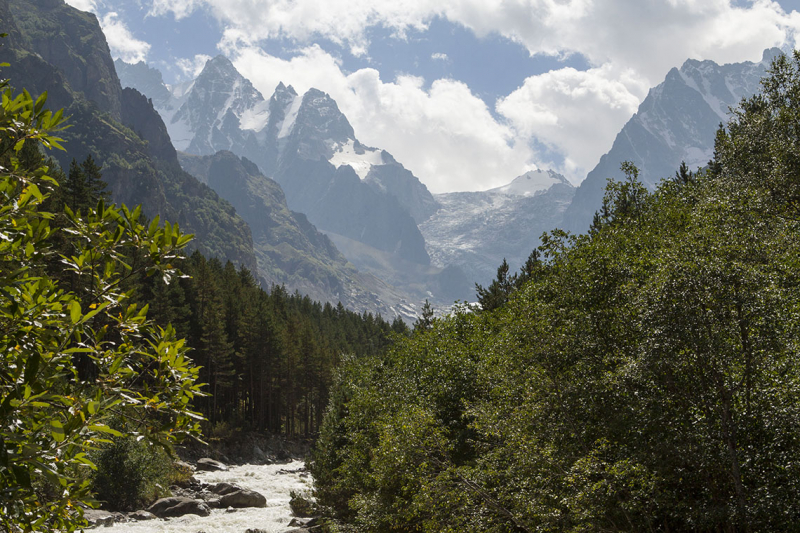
column 267, row 356
column 645, row 377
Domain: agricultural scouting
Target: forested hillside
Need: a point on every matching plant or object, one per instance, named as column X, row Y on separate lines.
column 644, row 379
column 267, row 356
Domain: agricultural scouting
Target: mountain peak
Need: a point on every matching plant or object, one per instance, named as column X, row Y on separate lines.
column 321, row 118
column 282, row 90
column 219, row 66
column 770, row 54
column 532, row 182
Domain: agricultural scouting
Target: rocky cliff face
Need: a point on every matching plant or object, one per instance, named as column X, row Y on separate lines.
column 56, row 48
column 73, row 41
column 676, row 122
column 475, row 231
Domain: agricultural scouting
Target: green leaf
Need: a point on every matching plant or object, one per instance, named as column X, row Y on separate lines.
column 74, row 311
column 105, row 429
column 32, row 367
column 57, row 430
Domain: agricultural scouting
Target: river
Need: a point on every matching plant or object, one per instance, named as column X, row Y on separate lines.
column 266, row 479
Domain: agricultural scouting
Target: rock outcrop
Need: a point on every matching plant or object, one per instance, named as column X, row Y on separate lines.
column 243, row 498
column 210, row 465
column 174, row 506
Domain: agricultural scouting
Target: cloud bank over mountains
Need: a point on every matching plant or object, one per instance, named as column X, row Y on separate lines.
column 442, row 130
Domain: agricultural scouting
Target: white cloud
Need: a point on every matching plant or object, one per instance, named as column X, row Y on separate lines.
column 649, row 37
column 83, row 5
column 121, row 41
column 439, row 56
column 179, row 8
column 192, row 67
column 574, row 113
column 444, row 134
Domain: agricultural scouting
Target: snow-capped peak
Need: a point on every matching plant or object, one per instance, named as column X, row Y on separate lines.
column 255, row 118
column 291, row 109
column 358, row 157
column 531, row 183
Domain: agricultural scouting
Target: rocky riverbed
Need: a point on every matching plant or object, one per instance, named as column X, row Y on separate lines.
column 275, row 482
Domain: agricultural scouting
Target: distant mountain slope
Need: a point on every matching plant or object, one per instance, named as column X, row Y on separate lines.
column 306, row 144
column 289, row 249
column 676, row 122
column 475, row 231
column 55, row 48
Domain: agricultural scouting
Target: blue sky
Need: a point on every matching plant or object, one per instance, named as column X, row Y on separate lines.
column 467, row 94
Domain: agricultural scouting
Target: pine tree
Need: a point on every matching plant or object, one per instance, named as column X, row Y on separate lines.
column 683, row 175
column 84, row 186
column 425, row 319
column 76, row 189
column 496, row 295
column 97, row 188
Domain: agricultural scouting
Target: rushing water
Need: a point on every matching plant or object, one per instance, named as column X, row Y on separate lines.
column 266, row 479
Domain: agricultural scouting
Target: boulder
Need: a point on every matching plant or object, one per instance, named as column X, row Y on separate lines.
column 96, row 517
column 141, row 515
column 259, row 454
column 213, row 503
column 243, row 498
column 178, row 506
column 223, row 488
column 210, row 465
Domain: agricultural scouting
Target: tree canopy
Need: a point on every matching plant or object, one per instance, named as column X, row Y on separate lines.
column 80, row 361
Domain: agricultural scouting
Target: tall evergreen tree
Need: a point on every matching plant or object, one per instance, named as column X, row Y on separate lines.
column 497, row 293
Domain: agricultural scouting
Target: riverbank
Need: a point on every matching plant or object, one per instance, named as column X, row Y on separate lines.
column 275, row 482
column 239, row 448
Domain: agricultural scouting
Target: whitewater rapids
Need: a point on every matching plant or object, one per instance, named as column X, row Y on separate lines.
column 266, row 479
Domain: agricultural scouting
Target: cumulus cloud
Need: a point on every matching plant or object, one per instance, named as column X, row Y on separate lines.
column 83, row 5
column 192, row 67
column 445, row 134
column 121, row 41
column 178, row 8
column 575, row 113
column 649, row 37
column 439, row 56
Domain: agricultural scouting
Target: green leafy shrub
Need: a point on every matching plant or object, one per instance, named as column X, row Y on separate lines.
column 132, row 474
column 301, row 504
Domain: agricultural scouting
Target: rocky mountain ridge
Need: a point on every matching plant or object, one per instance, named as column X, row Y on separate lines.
column 55, row 48
column 289, row 249
column 305, row 143
column 677, row 121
